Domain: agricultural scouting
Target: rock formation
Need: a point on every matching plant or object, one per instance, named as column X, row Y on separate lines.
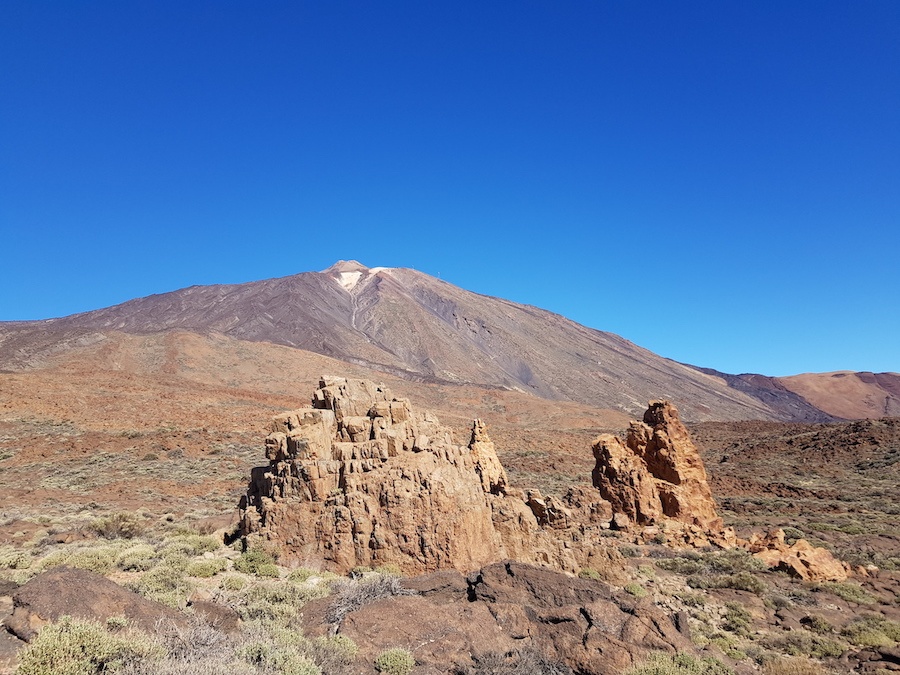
column 452, row 621
column 362, row 479
column 655, row 473
column 801, row 559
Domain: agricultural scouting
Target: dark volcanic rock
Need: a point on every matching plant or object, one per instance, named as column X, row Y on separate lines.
column 82, row 594
column 509, row 607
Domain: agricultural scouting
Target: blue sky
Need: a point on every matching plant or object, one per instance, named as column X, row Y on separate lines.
column 716, row 181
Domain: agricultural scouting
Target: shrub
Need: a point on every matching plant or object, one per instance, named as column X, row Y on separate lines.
column 737, row 619
column 96, row 559
column 350, row 595
column 742, row 581
column 273, row 603
column 849, row 591
column 333, row 652
column 164, row 584
column 205, row 569
column 794, row 666
column 389, row 569
column 14, row 559
column 78, row 647
column 301, row 574
column 395, row 661
column 636, row 590
column 799, row 643
column 190, row 545
column 121, row 525
column 680, row 664
column 251, row 561
column 138, row 558
column 271, row 657
column 872, row 631
column 233, row 582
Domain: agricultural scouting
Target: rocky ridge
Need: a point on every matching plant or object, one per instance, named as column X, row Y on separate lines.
column 361, row 479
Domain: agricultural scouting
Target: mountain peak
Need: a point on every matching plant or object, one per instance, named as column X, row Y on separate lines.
column 346, row 266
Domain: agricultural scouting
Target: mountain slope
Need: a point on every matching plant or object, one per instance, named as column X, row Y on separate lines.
column 407, row 323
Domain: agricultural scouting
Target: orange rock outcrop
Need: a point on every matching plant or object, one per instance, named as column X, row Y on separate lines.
column 656, row 473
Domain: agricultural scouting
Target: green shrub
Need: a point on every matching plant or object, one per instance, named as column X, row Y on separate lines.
column 138, row 558
column 275, row 658
column 333, row 652
column 190, row 545
column 275, row 603
column 799, row 643
column 737, row 619
column 164, row 584
column 301, row 574
column 680, row 664
column 395, row 661
column 78, row 647
column 14, row 559
column 742, row 581
column 849, row 591
column 389, row 569
column 100, row 559
column 636, row 590
column 206, row 568
column 251, row 561
column 589, row 573
column 233, row 582
column 872, row 631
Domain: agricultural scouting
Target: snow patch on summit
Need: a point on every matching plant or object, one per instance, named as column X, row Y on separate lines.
column 349, row 279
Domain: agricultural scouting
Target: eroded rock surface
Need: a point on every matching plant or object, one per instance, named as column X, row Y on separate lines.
column 655, row 473
column 450, row 620
column 360, row 478
column 801, row 559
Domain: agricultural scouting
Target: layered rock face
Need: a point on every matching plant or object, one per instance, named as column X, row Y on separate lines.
column 656, row 472
column 362, row 479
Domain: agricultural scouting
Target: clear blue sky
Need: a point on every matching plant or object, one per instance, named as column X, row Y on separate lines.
column 716, row 181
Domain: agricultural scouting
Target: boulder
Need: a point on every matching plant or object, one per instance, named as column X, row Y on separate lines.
column 801, row 559
column 84, row 595
column 510, row 607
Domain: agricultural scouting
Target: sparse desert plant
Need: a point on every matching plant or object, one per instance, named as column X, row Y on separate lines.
column 330, row 653
column 121, row 525
column 792, row 666
column 742, row 581
column 849, row 591
column 139, row 558
column 254, row 561
column 14, row 559
column 395, row 661
column 737, row 619
column 165, row 584
column 589, row 573
column 636, row 590
column 389, row 569
column 274, row 603
column 233, row 582
column 872, row 631
column 78, row 647
column 206, row 568
column 680, row 664
column 272, row 657
column 800, row 643
column 351, row 594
